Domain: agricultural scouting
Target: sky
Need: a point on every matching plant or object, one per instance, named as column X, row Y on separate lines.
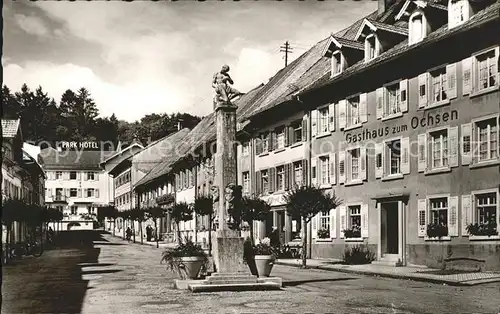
column 142, row 57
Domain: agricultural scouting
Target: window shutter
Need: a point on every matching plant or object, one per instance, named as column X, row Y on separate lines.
column 314, row 171
column 343, row 220
column 314, row 226
column 451, row 79
column 364, row 221
column 258, row 146
column 331, row 119
column 405, row 155
column 422, row 217
column 96, row 193
column 287, row 176
column 66, row 175
column 422, row 90
column 363, row 110
column 333, row 169
column 305, row 172
column 403, row 97
column 49, row 192
column 422, row 152
column 380, row 102
column 86, row 176
column 314, row 123
column 466, row 76
column 342, row 113
column 362, row 161
column 379, row 161
column 258, row 183
column 78, row 175
column 271, row 138
column 453, row 216
column 453, row 146
column 96, row 176
column 304, row 129
column 272, row 179
column 466, row 213
column 342, row 167
column 289, row 135
column 79, row 193
column 466, row 144
column 333, row 221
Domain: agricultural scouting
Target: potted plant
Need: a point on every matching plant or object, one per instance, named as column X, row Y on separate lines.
column 264, row 256
column 482, row 229
column 186, row 259
column 354, row 232
column 436, row 230
column 323, row 233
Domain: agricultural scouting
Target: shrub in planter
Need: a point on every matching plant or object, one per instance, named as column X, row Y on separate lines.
column 264, row 256
column 483, row 229
column 354, row 232
column 186, row 259
column 323, row 233
column 436, row 231
column 357, row 255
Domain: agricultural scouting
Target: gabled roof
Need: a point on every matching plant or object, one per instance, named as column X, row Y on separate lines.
column 122, row 151
column 73, row 159
column 488, row 14
column 409, row 7
column 374, row 26
column 335, row 43
column 10, row 127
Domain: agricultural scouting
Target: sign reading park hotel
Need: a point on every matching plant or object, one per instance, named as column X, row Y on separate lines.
column 425, row 121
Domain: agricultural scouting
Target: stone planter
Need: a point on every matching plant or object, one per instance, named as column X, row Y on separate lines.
column 192, row 265
column 264, row 264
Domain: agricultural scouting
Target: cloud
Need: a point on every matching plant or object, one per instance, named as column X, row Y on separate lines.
column 31, row 25
column 127, row 101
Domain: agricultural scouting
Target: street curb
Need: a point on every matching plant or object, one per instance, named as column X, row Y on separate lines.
column 393, row 276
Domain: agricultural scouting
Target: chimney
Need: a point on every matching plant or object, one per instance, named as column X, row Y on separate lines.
column 383, row 5
column 179, row 126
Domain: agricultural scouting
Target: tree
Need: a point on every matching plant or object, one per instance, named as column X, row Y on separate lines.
column 156, row 213
column 181, row 212
column 11, row 211
column 204, row 206
column 109, row 212
column 80, row 112
column 11, row 108
column 306, row 202
column 254, row 208
column 139, row 215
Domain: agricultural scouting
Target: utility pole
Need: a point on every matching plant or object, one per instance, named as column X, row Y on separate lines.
column 286, row 49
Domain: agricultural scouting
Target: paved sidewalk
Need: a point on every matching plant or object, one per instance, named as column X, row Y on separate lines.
column 412, row 273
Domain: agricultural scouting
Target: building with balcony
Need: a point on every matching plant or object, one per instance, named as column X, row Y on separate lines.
column 22, row 176
column 76, row 185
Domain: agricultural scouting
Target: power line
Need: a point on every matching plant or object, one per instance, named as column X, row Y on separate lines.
column 286, row 49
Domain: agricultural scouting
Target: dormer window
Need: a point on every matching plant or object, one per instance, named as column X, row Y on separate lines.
column 371, row 47
column 416, row 28
column 458, row 12
column 337, row 63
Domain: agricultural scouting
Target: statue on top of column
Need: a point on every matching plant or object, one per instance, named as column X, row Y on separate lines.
column 224, row 92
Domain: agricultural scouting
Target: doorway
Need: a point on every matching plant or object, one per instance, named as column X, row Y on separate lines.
column 390, row 228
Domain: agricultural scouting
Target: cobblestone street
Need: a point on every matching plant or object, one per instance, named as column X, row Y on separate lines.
column 97, row 273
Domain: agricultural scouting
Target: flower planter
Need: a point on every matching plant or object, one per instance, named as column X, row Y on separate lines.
column 264, row 264
column 192, row 265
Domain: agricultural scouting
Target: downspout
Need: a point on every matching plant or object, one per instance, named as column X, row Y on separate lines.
column 195, row 184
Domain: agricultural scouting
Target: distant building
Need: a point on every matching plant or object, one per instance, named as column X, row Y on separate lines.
column 76, row 185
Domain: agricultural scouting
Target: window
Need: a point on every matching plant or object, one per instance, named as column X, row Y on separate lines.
column 324, row 220
column 297, row 170
column 323, row 120
column 486, row 208
column 416, row 29
column 324, row 164
column 297, row 131
column 487, row 69
column 73, row 192
column 265, row 181
column 354, row 163
column 74, row 210
column 394, row 154
column 245, row 149
column 438, row 85
column 246, row 182
column 280, row 178
column 458, row 12
column 72, row 175
column 265, row 142
column 59, row 208
column 487, row 135
column 353, row 113
column 59, row 192
column 439, row 211
column 90, row 176
column 58, row 175
column 354, row 221
column 90, row 192
column 393, row 100
column 370, row 48
column 439, row 149
column 280, row 137
column 336, row 63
